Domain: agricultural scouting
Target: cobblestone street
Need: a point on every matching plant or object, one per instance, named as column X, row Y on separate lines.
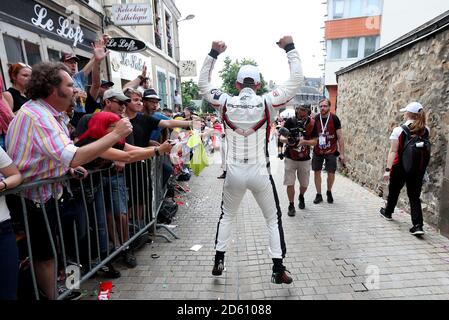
column 333, row 251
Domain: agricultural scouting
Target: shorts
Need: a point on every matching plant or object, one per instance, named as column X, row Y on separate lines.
column 138, row 183
column 330, row 164
column 293, row 169
column 70, row 209
column 118, row 195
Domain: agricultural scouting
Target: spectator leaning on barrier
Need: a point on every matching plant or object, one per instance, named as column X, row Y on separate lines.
column 403, row 169
column 98, row 126
column 20, row 74
column 297, row 163
column 9, row 257
column 38, row 142
column 330, row 147
column 145, row 124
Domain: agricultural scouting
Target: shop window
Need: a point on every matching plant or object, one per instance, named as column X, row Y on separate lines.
column 32, row 52
column 14, row 51
column 18, row 50
column 353, row 47
column 53, row 55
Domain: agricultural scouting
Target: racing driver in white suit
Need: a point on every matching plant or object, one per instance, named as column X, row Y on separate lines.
column 247, row 120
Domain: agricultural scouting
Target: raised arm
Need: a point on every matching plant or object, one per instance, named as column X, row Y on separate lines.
column 212, row 94
column 284, row 93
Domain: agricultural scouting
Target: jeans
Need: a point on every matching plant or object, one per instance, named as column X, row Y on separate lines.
column 9, row 262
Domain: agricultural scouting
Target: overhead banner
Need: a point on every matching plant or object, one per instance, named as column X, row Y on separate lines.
column 187, row 68
column 130, row 14
column 125, row 45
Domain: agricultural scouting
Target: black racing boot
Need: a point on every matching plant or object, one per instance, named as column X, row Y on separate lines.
column 280, row 275
column 219, row 264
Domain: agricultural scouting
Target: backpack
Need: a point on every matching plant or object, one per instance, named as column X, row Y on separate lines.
column 167, row 212
column 416, row 153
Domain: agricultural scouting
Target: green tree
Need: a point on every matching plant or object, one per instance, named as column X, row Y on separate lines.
column 190, row 91
column 229, row 75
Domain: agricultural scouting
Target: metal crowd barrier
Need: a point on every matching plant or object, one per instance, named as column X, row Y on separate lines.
column 78, row 223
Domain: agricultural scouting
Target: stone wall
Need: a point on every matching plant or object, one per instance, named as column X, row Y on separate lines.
column 369, row 99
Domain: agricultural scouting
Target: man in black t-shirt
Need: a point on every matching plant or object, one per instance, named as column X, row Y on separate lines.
column 330, row 147
column 297, row 154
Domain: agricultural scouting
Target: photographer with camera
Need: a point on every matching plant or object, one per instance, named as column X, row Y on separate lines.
column 299, row 136
column 330, row 147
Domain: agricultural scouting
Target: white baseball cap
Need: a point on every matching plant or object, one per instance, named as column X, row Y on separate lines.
column 414, row 107
column 248, row 71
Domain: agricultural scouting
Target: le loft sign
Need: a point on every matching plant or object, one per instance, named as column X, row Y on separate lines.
column 129, row 60
column 65, row 29
column 132, row 14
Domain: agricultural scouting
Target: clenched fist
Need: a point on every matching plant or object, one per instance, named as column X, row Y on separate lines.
column 219, row 46
column 284, row 41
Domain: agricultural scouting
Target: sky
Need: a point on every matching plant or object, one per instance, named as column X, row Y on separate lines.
column 250, row 29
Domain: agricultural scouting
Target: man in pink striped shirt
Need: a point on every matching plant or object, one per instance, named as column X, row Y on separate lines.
column 38, row 142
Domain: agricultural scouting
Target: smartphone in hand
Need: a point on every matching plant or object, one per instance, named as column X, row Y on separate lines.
column 78, row 173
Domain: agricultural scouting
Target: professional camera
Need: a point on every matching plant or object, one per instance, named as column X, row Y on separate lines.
column 294, row 134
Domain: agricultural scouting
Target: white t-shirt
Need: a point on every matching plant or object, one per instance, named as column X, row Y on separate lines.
column 398, row 130
column 5, row 161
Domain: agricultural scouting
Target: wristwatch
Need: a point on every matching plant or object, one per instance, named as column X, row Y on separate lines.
column 156, row 150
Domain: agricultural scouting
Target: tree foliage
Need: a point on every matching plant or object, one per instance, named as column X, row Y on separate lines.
column 229, row 75
column 190, row 91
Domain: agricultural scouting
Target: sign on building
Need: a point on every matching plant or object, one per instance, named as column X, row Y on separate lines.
column 125, row 45
column 187, row 68
column 132, row 14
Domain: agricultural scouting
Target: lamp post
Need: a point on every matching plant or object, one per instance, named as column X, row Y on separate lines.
column 189, row 17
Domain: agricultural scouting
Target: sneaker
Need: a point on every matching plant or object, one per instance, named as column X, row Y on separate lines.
column 302, row 204
column 223, row 175
column 281, row 277
column 318, row 198
column 330, row 198
column 383, row 214
column 291, row 210
column 281, row 156
column 74, row 295
column 129, row 259
column 218, row 267
column 110, row 272
column 417, row 230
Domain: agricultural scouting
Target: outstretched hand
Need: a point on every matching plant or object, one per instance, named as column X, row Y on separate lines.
column 284, row 41
column 219, row 46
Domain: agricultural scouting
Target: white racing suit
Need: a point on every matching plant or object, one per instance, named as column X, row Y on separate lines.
column 247, row 120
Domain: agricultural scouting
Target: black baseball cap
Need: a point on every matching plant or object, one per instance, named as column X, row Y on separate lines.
column 107, row 83
column 69, row 56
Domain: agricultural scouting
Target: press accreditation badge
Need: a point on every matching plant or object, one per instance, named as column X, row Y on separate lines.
column 322, row 140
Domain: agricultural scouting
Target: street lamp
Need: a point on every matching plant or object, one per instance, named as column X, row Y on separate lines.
column 189, row 17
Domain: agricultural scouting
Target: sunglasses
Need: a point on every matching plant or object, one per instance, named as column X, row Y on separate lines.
column 324, row 106
column 120, row 103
